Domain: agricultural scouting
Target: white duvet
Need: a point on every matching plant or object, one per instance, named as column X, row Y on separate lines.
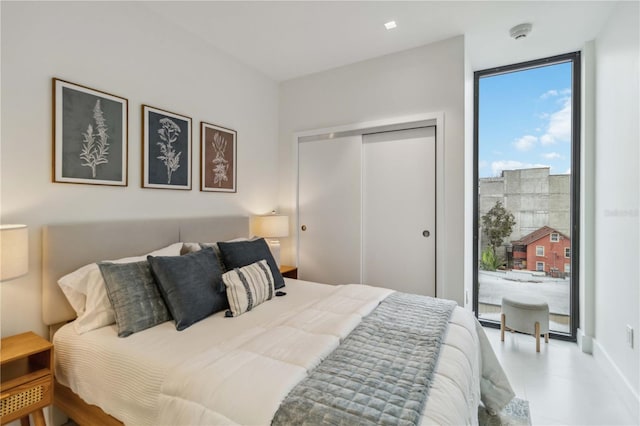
column 238, row 370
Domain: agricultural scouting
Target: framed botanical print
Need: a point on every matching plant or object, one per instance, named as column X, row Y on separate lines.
column 166, row 149
column 90, row 129
column 218, row 158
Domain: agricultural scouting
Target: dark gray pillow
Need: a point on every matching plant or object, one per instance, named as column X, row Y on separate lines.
column 191, row 285
column 134, row 295
column 242, row 253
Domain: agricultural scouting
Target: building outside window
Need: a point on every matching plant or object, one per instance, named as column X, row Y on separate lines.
column 540, row 266
column 555, row 237
column 567, row 252
column 539, row 251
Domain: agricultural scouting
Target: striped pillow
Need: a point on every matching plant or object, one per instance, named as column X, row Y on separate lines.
column 249, row 286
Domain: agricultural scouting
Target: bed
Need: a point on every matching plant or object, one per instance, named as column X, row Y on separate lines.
column 246, row 369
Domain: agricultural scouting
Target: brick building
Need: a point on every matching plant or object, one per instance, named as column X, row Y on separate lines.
column 534, row 197
column 544, row 250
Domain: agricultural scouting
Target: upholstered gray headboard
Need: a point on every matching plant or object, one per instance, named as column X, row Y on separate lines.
column 66, row 247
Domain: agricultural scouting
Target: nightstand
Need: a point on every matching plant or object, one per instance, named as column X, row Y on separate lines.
column 289, row 271
column 26, row 371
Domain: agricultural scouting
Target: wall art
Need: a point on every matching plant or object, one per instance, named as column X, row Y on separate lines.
column 218, row 166
column 166, row 149
column 90, row 129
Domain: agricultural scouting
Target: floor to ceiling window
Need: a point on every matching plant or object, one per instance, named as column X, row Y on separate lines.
column 527, row 138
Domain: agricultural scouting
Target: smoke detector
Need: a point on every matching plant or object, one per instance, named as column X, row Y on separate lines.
column 520, row 31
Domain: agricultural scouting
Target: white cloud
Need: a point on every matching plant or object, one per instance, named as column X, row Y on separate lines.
column 526, row 142
column 559, row 128
column 546, row 139
column 553, row 92
column 551, row 156
column 498, row 166
column 568, row 172
column 549, row 93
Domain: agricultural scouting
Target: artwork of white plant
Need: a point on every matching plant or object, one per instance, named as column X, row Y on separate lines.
column 220, row 165
column 169, row 133
column 95, row 149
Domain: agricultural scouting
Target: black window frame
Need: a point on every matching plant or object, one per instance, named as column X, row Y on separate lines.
column 575, row 59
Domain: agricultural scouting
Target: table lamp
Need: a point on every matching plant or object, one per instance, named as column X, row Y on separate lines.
column 14, row 251
column 272, row 227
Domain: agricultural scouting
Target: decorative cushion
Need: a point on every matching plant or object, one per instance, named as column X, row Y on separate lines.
column 248, row 287
column 134, row 295
column 243, row 253
column 193, row 247
column 191, row 285
column 86, row 292
column 189, row 248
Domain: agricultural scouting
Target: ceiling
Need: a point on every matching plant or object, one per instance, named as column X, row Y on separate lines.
column 288, row 39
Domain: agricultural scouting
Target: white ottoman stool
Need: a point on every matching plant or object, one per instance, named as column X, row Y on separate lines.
column 526, row 314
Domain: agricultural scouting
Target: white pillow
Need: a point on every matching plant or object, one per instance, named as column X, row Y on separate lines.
column 193, row 247
column 249, row 286
column 86, row 292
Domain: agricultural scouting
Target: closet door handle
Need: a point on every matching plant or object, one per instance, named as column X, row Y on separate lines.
column 303, row 227
column 426, row 233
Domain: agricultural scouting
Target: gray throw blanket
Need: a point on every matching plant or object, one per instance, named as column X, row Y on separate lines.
column 382, row 371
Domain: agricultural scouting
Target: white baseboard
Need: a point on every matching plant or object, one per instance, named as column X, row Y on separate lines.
column 585, row 342
column 627, row 393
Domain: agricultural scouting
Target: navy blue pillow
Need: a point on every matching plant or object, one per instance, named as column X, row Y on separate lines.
column 191, row 285
column 238, row 254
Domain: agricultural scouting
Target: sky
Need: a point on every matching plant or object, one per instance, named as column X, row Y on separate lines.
column 525, row 120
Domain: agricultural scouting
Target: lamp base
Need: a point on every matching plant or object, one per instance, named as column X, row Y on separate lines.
column 274, row 246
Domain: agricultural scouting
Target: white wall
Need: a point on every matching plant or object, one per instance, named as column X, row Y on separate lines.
column 421, row 80
column 586, row 330
column 125, row 49
column 617, row 179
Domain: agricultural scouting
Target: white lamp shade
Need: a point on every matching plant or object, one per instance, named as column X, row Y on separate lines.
column 14, row 251
column 271, row 226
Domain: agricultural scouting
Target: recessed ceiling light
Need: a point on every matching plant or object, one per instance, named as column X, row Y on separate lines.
column 390, row 25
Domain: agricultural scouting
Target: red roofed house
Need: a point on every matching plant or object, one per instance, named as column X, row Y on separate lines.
column 545, row 249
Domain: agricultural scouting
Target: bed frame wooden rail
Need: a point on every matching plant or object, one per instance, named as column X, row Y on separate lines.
column 81, row 412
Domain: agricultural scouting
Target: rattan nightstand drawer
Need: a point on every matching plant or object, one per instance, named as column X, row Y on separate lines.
column 21, row 400
column 26, row 378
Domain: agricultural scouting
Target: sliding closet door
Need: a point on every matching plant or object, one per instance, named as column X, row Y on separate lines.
column 329, row 205
column 398, row 221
